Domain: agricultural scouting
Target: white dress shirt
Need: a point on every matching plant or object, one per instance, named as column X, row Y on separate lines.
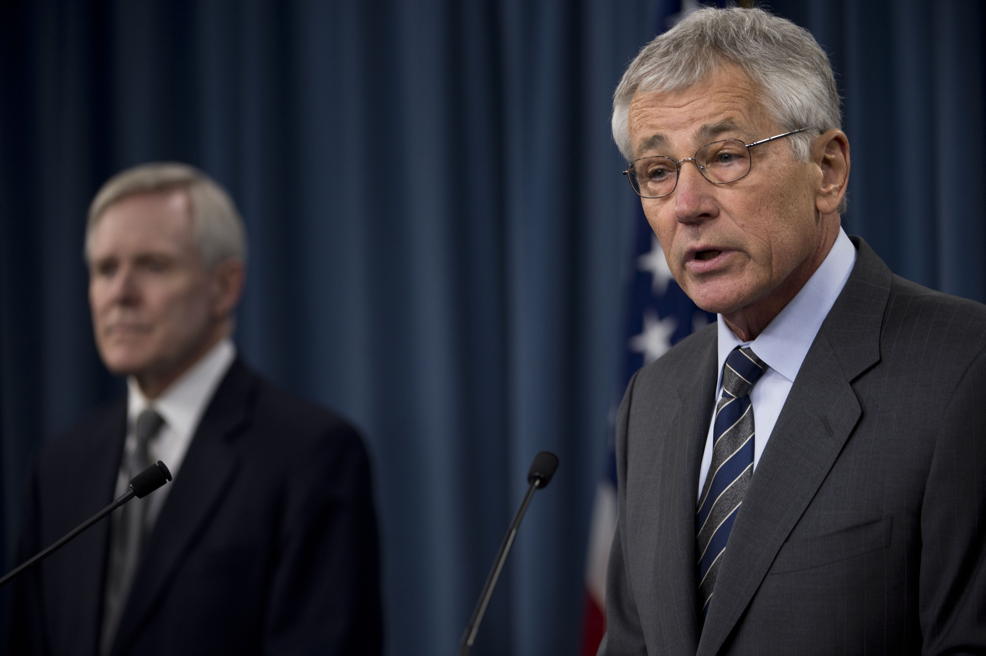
column 783, row 345
column 181, row 406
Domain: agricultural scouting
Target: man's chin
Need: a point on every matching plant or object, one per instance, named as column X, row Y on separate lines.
column 715, row 302
column 124, row 364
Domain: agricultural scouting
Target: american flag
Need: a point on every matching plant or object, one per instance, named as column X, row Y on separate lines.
column 658, row 315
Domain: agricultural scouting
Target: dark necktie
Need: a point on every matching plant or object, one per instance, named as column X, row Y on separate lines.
column 129, row 530
column 732, row 465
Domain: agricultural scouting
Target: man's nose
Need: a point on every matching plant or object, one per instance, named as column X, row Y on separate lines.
column 693, row 200
column 124, row 288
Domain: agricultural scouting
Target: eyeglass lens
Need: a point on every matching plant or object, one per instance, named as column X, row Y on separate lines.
column 719, row 162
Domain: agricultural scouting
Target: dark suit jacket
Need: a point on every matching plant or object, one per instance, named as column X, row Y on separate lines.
column 266, row 544
column 864, row 528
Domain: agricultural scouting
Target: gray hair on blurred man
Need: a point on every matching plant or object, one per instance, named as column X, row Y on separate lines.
column 266, row 541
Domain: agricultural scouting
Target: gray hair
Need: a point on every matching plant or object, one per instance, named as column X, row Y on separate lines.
column 783, row 59
column 218, row 228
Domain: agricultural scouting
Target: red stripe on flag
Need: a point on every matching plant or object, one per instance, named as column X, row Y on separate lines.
column 593, row 626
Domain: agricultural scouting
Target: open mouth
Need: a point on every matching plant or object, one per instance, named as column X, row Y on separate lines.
column 704, row 256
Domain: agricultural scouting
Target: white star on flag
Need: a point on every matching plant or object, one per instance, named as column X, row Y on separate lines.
column 655, row 262
column 655, row 339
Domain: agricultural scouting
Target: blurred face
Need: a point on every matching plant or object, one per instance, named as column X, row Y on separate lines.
column 156, row 309
column 745, row 248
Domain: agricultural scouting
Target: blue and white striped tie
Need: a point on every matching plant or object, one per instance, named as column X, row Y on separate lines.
column 732, row 465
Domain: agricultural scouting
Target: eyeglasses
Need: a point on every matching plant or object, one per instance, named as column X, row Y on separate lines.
column 719, row 162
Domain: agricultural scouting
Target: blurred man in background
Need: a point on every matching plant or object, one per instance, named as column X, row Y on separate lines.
column 266, row 541
column 807, row 476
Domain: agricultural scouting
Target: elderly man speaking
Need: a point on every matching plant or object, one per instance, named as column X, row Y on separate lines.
column 808, row 475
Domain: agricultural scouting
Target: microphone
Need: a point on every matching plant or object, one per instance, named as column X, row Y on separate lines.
column 542, row 469
column 148, row 480
column 140, row 486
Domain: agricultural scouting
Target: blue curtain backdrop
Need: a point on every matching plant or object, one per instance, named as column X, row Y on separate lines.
column 438, row 236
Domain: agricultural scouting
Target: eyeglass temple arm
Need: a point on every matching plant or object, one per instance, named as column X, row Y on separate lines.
column 776, row 136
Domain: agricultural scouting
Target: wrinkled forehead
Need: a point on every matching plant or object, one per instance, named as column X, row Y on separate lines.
column 176, row 199
column 724, row 104
column 148, row 221
column 703, row 133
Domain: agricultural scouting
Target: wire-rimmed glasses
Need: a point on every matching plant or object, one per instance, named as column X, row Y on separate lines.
column 719, row 162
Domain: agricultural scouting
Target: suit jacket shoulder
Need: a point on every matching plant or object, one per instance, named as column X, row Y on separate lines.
column 267, row 424
column 682, row 362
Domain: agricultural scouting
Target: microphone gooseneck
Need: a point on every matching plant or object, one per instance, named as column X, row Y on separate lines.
column 140, row 486
column 542, row 469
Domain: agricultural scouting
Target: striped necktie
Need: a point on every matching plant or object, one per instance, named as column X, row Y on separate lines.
column 128, row 530
column 732, row 465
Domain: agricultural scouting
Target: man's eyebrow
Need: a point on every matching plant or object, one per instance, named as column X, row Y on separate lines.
column 712, row 130
column 97, row 263
column 652, row 143
column 707, row 132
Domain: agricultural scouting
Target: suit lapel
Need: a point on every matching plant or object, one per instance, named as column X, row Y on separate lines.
column 678, row 433
column 818, row 417
column 197, row 491
column 802, row 449
column 99, row 458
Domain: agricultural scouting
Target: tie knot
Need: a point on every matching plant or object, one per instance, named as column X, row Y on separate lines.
column 741, row 371
column 148, row 424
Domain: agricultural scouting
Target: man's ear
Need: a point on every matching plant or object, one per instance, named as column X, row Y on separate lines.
column 227, row 279
column 831, row 153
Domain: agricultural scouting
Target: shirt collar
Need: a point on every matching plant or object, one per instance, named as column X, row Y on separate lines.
column 784, row 343
column 182, row 404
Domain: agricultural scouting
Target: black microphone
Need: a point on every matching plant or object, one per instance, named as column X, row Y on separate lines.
column 140, row 486
column 148, row 480
column 542, row 469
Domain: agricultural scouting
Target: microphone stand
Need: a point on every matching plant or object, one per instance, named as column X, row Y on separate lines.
column 119, row 501
column 469, row 637
column 140, row 486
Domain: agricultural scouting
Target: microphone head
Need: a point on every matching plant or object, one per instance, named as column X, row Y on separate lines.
column 542, row 469
column 150, row 479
